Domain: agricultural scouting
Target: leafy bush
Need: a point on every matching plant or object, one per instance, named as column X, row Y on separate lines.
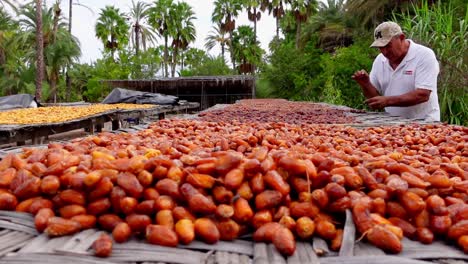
column 209, row 66
column 290, row 72
column 335, row 80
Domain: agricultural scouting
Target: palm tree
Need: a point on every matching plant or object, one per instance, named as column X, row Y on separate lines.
column 39, row 51
column 6, row 25
column 332, row 24
column 70, row 15
column 111, row 28
column 160, row 19
column 60, row 47
column 246, row 49
column 253, row 12
column 225, row 13
column 183, row 30
column 301, row 9
column 217, row 35
column 140, row 33
column 275, row 7
column 372, row 12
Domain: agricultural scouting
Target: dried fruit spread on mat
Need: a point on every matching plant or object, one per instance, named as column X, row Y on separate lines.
column 182, row 180
column 54, row 114
column 279, row 110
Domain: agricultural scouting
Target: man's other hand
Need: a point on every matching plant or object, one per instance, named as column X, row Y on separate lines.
column 361, row 77
column 377, row 102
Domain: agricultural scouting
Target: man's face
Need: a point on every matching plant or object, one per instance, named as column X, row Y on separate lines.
column 394, row 49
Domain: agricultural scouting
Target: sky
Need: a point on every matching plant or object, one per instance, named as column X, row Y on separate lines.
column 84, row 22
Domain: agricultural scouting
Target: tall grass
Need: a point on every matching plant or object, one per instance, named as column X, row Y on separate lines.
column 437, row 26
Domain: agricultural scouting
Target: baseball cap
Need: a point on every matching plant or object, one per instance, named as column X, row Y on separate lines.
column 384, row 32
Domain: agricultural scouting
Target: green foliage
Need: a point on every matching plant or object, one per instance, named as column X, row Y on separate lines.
column 245, row 47
column 338, row 69
column 209, row 66
column 112, row 29
column 439, row 26
column 291, row 72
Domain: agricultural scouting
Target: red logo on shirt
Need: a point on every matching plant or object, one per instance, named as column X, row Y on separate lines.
column 408, row 72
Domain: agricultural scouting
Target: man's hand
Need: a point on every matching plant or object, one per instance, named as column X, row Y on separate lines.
column 378, row 102
column 361, row 77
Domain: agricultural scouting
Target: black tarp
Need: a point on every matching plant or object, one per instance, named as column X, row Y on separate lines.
column 17, row 101
column 119, row 95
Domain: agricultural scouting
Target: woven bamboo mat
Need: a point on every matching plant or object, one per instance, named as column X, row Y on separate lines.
column 20, row 243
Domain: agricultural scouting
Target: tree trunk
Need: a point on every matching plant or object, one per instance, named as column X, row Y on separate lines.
column 182, row 61
column 298, row 32
column 137, row 38
column 255, row 23
column 39, row 51
column 67, row 76
column 232, row 52
column 174, row 61
column 53, row 75
column 166, row 55
column 277, row 27
column 222, row 51
column 53, row 84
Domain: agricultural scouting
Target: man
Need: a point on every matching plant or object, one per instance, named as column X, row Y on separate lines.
column 403, row 79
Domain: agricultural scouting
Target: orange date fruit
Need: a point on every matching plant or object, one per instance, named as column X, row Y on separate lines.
column 299, row 209
column 165, row 218
column 130, row 184
column 109, row 221
column 325, row 229
column 69, row 211
column 50, row 185
column 284, row 241
column 128, row 205
column 72, row 197
column 86, row 221
column 58, row 226
column 180, row 212
column 138, row 223
column 457, row 230
column 103, row 246
column 233, row 179
column 305, row 227
column 268, row 199
column 206, row 230
column 168, row 187
column 242, row 211
column 224, row 211
column 42, row 218
column 384, row 239
column 436, row 205
column 424, row 235
column 336, row 242
column 121, row 232
column 185, row 230
column 161, row 235
column 8, row 201
column 412, row 203
column 265, row 232
column 463, row 243
column 99, row 207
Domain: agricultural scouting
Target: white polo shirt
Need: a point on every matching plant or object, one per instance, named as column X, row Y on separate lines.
column 419, row 69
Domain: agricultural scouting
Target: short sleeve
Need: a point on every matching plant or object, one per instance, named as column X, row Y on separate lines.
column 373, row 75
column 426, row 72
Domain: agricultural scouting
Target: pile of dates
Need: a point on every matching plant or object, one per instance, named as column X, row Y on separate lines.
column 279, row 110
column 181, row 180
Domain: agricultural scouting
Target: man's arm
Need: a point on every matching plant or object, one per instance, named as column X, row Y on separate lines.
column 408, row 99
column 362, row 78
